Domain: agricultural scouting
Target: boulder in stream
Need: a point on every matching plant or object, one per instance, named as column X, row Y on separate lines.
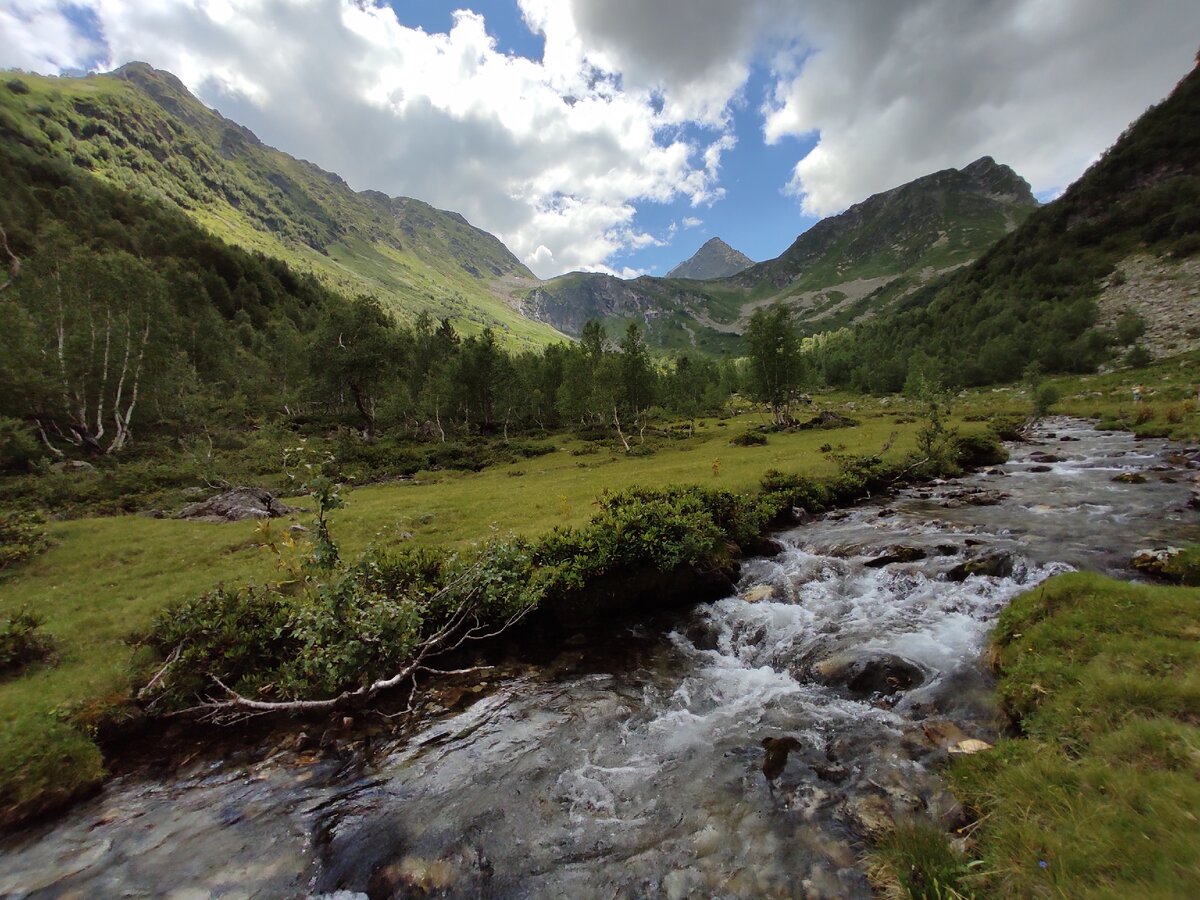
column 995, row 565
column 869, row 674
column 1130, row 478
column 237, row 505
column 897, row 554
column 1156, row 563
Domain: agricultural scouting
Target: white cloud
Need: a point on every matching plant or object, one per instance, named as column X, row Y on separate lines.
column 555, row 155
column 551, row 156
column 37, row 35
column 896, row 90
column 692, row 222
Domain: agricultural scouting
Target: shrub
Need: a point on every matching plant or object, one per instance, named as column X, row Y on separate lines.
column 1139, row 357
column 22, row 536
column 17, row 86
column 979, row 450
column 22, row 642
column 749, row 439
column 1045, row 395
column 19, row 448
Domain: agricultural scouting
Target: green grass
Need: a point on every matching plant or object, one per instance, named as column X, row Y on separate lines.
column 1099, row 795
column 104, row 579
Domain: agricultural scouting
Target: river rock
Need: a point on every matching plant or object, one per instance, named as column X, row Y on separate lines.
column 1130, row 478
column 765, row 547
column 1040, row 469
column 869, row 674
column 758, row 593
column 973, row 497
column 1039, row 457
column 1155, row 563
column 995, row 565
column 236, row 505
column 897, row 554
column 871, row 815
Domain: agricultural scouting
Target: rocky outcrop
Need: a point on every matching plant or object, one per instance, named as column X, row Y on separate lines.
column 237, row 505
column 1166, row 294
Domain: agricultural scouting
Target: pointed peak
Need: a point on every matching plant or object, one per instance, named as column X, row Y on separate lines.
column 715, row 259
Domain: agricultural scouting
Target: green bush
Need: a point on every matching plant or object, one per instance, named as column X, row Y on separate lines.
column 1139, row 357
column 750, row 439
column 975, row 450
column 22, row 536
column 19, row 448
column 22, row 642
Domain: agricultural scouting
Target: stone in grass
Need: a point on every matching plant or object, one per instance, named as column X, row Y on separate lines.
column 236, row 505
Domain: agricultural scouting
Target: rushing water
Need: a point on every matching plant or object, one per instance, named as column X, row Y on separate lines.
column 633, row 766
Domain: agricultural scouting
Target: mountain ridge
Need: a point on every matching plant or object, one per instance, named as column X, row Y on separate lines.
column 829, row 274
column 140, row 129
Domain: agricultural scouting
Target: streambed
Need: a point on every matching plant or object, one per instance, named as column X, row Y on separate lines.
column 632, row 764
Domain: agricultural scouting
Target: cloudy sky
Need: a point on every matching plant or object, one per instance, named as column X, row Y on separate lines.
column 622, row 134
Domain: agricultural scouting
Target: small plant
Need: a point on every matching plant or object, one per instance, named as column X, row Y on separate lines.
column 22, row 642
column 22, row 536
column 916, row 861
column 716, row 467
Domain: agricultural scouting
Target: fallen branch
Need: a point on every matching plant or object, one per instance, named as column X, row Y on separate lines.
column 461, row 626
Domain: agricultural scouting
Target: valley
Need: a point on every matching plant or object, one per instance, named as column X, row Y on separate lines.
column 341, row 555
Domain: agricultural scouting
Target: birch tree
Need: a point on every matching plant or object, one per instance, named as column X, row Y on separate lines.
column 101, row 323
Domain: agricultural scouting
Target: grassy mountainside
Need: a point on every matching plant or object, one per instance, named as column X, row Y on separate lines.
column 1032, row 298
column 141, row 130
column 716, row 259
column 830, row 275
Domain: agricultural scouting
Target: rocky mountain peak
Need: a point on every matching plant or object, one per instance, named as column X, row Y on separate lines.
column 716, row 259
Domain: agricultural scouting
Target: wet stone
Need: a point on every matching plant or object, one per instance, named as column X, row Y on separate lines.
column 897, row 554
column 993, row 565
column 1130, row 478
column 869, row 674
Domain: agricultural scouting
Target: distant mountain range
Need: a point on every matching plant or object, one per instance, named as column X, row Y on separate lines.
column 716, row 259
column 913, row 232
column 140, row 130
column 1124, row 237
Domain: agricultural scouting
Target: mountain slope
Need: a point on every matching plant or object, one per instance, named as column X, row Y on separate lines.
column 716, row 259
column 1033, row 297
column 141, row 130
column 935, row 222
column 831, row 275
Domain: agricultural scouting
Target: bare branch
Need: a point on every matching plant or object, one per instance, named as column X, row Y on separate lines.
column 461, row 625
column 14, row 264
